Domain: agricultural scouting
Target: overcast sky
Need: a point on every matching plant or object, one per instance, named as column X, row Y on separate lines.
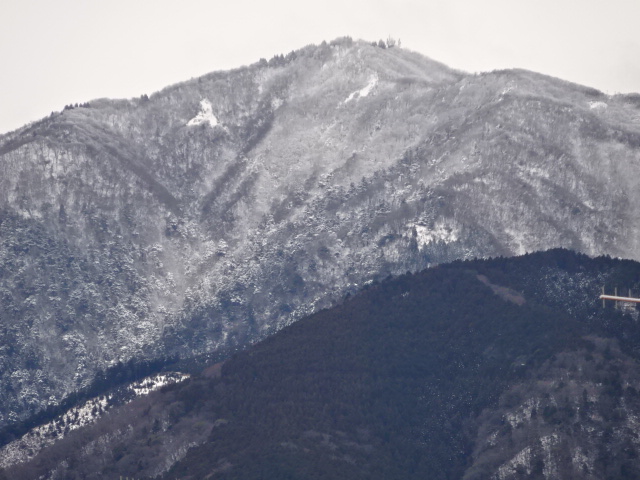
column 55, row 52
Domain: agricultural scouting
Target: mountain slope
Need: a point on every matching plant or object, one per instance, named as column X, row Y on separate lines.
column 216, row 211
column 507, row 368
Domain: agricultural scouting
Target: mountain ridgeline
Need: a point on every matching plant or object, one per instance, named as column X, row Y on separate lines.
column 497, row 369
column 219, row 210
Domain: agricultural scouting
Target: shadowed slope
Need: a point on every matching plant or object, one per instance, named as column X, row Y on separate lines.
column 431, row 375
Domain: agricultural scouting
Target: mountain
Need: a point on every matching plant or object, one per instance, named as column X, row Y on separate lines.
column 485, row 369
column 219, row 210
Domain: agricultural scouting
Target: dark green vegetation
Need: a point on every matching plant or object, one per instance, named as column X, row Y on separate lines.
column 447, row 373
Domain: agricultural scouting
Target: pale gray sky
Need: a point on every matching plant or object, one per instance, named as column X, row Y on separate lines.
column 55, row 52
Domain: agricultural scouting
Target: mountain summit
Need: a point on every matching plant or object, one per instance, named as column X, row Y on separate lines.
column 218, row 210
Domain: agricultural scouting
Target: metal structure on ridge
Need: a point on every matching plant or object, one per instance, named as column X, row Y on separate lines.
column 617, row 298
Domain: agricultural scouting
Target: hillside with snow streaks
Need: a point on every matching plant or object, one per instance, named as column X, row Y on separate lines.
column 216, row 211
column 30, row 444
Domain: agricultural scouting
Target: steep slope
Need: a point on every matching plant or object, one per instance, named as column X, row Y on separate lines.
column 577, row 417
column 221, row 209
column 507, row 368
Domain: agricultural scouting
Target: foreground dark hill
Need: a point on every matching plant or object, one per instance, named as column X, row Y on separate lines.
column 216, row 211
column 500, row 369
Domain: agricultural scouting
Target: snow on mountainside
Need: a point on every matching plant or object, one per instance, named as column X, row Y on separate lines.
column 205, row 115
column 221, row 209
column 373, row 81
column 30, row 444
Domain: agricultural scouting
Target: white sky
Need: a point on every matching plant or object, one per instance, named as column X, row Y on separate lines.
column 55, row 52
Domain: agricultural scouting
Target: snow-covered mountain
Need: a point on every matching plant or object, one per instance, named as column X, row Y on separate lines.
column 218, row 210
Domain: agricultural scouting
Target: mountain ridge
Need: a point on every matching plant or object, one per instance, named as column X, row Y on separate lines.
column 126, row 233
column 432, row 373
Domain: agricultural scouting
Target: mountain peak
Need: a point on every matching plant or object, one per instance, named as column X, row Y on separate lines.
column 133, row 229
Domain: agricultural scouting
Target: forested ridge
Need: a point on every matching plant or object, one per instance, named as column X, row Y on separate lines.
column 415, row 377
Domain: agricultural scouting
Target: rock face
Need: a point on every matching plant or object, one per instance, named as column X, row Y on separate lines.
column 221, row 209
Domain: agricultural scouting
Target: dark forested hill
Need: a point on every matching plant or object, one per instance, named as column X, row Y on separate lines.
column 485, row 369
column 216, row 211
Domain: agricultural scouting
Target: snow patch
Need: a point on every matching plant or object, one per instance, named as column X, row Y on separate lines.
column 518, row 240
column 550, row 469
column 441, row 232
column 520, row 460
column 597, row 105
column 30, row 444
column 204, row 116
column 150, row 384
column 535, row 171
column 505, row 90
column 373, row 81
column 523, row 413
column 276, row 103
column 581, row 461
